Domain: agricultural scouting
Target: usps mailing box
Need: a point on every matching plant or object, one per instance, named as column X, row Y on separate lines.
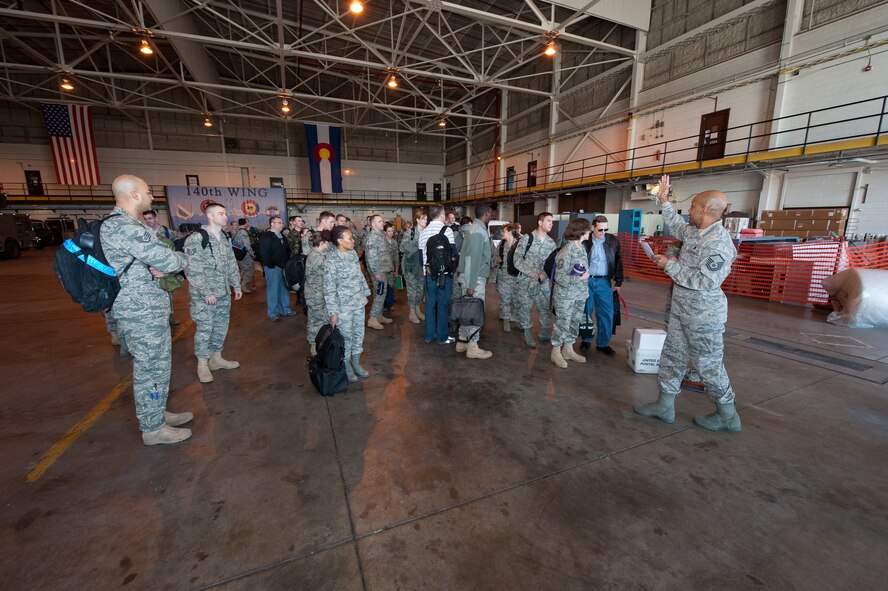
column 649, row 339
column 643, row 360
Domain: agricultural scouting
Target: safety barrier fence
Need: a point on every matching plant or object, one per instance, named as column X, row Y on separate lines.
column 777, row 271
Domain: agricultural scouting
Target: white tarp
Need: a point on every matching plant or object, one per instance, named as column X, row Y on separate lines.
column 860, row 298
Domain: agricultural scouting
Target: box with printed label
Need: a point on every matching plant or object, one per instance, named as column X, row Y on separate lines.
column 642, row 360
column 648, row 338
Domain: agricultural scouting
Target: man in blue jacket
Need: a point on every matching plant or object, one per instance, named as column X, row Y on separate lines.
column 605, row 278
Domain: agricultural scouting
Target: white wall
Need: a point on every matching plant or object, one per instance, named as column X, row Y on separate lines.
column 169, row 168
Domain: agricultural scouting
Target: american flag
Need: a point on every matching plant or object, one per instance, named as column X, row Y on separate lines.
column 71, row 138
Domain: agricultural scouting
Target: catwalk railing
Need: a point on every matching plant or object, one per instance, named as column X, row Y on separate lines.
column 777, row 271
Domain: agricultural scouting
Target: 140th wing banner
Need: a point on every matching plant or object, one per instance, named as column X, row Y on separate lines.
column 187, row 204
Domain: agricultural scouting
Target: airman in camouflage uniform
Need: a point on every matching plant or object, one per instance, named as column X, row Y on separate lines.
column 505, row 283
column 314, row 287
column 411, row 266
column 212, row 273
column 246, row 266
column 345, row 295
column 142, row 309
column 698, row 311
column 570, row 292
column 380, row 266
column 532, row 285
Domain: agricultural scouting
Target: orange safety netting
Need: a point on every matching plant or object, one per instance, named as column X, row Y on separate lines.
column 778, row 271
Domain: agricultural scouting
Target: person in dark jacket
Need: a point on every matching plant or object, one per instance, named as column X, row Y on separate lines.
column 274, row 252
column 605, row 278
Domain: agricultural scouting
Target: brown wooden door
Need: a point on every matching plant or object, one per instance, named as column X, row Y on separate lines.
column 713, row 133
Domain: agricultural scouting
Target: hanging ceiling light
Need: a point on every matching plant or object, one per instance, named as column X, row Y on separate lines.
column 392, row 81
column 356, row 7
column 499, row 156
column 551, row 49
column 285, row 106
column 145, row 48
column 208, row 122
column 442, row 122
column 66, row 84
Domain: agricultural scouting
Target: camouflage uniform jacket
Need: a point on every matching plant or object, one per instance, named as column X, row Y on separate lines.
column 314, row 273
column 212, row 270
column 533, row 259
column 344, row 285
column 474, row 255
column 393, row 252
column 377, row 254
column 124, row 238
column 294, row 237
column 703, row 264
column 411, row 260
column 242, row 237
column 567, row 286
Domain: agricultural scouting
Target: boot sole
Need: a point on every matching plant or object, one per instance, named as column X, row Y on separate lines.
column 652, row 416
column 728, row 428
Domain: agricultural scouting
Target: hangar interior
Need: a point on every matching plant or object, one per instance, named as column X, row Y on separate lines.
column 441, row 472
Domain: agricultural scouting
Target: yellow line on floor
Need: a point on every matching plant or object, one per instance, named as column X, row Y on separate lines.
column 74, row 433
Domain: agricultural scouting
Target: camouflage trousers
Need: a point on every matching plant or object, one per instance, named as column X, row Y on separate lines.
column 466, row 332
column 247, row 268
column 111, row 325
column 568, row 315
column 351, row 324
column 505, row 287
column 317, row 317
column 211, row 325
column 530, row 292
column 146, row 330
column 698, row 345
column 379, row 299
column 415, row 288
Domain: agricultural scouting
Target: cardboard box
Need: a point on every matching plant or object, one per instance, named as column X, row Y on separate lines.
column 642, row 360
column 829, row 214
column 648, row 339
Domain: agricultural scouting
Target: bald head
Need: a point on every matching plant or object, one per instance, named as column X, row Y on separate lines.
column 707, row 208
column 714, row 201
column 131, row 194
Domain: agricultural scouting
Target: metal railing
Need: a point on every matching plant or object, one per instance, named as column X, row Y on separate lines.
column 807, row 133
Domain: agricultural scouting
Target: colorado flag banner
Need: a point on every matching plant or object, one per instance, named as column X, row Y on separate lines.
column 71, row 140
column 323, row 158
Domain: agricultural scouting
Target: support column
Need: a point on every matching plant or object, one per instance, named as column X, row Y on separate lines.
column 635, row 84
column 503, row 129
column 772, row 191
column 468, row 109
column 791, row 27
column 553, row 117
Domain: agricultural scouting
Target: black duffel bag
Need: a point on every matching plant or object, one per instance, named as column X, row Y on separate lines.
column 467, row 311
column 327, row 368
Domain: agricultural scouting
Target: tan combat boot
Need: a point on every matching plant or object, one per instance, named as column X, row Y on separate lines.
column 374, row 323
column 568, row 353
column 383, row 319
column 174, row 419
column 420, row 313
column 557, row 358
column 245, row 288
column 461, row 347
column 217, row 362
column 165, row 434
column 203, row 371
column 475, row 352
column 507, row 326
column 413, row 317
column 313, row 349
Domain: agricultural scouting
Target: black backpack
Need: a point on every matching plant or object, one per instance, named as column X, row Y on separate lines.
column 549, row 265
column 294, row 274
column 440, row 258
column 511, row 269
column 81, row 266
column 327, row 369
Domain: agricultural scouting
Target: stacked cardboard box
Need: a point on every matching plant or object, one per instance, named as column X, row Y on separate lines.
column 804, row 223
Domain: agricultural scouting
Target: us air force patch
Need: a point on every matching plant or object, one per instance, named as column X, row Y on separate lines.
column 715, row 262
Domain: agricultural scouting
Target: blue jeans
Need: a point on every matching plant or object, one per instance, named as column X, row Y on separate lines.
column 277, row 296
column 601, row 300
column 437, row 309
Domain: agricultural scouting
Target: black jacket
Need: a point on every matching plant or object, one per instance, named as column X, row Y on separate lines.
column 614, row 258
column 273, row 251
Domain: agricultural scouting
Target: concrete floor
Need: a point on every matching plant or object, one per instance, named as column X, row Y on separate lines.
column 437, row 472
